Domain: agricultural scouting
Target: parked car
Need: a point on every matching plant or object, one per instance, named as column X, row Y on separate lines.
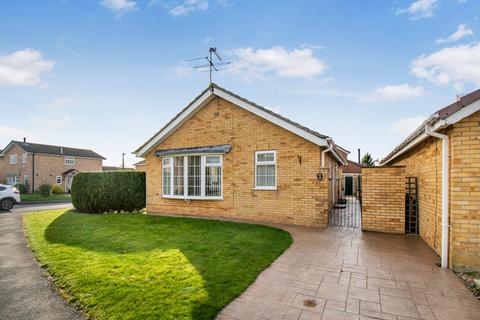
column 9, row 196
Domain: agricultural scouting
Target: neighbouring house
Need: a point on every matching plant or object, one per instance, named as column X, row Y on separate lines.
column 140, row 166
column 441, row 162
column 33, row 164
column 224, row 156
column 352, row 178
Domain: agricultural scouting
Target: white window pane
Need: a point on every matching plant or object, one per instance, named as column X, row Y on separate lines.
column 213, row 181
column 167, row 176
column 265, row 157
column 212, row 160
column 178, row 176
column 265, row 175
column 194, row 176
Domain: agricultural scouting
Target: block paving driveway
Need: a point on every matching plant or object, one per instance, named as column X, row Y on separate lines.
column 340, row 273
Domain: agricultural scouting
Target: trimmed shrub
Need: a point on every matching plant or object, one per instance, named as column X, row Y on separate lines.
column 57, row 189
column 111, row 191
column 21, row 188
column 45, row 189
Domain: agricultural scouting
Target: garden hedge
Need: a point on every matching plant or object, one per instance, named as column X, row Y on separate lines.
column 98, row 192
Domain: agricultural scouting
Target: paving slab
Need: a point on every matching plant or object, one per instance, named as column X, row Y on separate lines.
column 350, row 274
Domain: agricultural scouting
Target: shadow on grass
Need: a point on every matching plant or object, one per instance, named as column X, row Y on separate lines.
column 228, row 256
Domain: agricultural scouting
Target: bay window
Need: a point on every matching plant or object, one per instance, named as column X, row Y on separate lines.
column 266, row 170
column 192, row 177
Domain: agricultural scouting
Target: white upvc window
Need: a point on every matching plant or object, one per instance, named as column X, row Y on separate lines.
column 192, row 177
column 58, row 179
column 266, row 170
column 13, row 159
column 24, row 157
column 12, row 180
column 70, row 160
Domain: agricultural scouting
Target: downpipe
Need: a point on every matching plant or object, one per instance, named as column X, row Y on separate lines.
column 445, row 184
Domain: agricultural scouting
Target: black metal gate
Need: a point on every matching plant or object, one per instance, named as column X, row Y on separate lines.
column 411, row 205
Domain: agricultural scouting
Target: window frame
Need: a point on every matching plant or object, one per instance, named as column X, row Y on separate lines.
column 69, row 158
column 203, row 165
column 274, row 162
column 13, row 156
column 56, row 180
column 24, row 158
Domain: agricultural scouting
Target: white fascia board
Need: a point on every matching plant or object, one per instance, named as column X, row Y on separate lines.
column 9, row 146
column 409, row 146
column 197, row 104
column 463, row 113
column 267, row 116
column 439, row 125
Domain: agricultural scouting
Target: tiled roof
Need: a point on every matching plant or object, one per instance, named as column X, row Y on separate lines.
column 57, row 150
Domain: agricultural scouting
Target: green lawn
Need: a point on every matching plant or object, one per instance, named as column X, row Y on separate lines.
column 38, row 197
column 135, row 266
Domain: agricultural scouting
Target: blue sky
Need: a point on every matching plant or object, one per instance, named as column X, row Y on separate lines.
column 107, row 74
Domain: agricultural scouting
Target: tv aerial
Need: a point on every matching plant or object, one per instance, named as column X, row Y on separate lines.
column 214, row 63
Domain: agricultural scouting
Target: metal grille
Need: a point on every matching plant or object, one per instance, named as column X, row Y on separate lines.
column 346, row 213
column 411, row 205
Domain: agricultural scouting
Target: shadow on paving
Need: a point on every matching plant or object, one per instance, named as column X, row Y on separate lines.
column 228, row 256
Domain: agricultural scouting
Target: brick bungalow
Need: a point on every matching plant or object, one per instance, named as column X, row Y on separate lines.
column 444, row 155
column 33, row 164
column 226, row 157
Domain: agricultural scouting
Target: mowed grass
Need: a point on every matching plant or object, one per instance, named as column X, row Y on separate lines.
column 135, row 266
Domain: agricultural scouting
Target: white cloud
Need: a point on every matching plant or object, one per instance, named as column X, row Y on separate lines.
column 297, row 63
column 419, row 9
column 23, row 68
column 392, row 93
column 225, row 3
column 461, row 32
column 119, row 6
column 12, row 133
column 53, row 116
column 189, row 6
column 458, row 64
column 407, row 125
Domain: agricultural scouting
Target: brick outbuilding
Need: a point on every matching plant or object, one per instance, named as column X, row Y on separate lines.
column 443, row 154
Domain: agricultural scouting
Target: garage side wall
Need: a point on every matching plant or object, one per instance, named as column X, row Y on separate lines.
column 383, row 199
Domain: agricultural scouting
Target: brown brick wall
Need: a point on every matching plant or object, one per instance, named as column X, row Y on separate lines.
column 20, row 169
column 383, row 199
column 425, row 163
column 301, row 199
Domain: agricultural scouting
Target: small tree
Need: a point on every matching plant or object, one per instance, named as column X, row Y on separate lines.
column 367, row 160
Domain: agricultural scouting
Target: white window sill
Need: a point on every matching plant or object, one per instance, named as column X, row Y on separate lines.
column 264, row 189
column 192, row 198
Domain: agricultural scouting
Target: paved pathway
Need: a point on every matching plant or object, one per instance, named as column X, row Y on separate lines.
column 25, row 293
column 340, row 273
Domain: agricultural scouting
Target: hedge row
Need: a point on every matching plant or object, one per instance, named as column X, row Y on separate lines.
column 98, row 192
